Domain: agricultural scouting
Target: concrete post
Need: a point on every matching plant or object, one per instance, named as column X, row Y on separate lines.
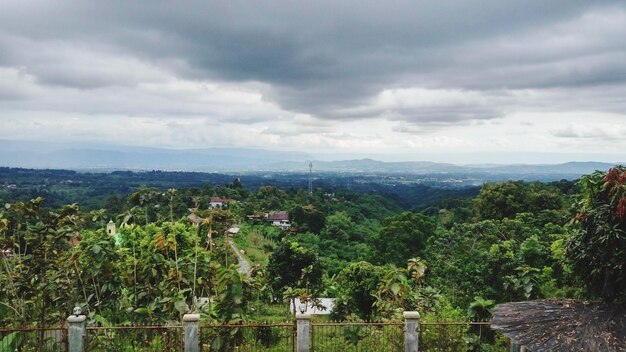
column 411, row 331
column 303, row 331
column 76, row 332
column 191, row 332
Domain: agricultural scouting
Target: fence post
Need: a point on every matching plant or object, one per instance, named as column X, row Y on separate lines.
column 76, row 331
column 411, row 331
column 191, row 332
column 303, row 327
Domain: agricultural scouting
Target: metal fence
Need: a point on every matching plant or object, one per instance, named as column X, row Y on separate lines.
column 276, row 337
column 356, row 337
column 33, row 339
column 460, row 336
column 134, row 339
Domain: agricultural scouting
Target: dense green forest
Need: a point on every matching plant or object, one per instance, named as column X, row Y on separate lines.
column 92, row 189
column 450, row 258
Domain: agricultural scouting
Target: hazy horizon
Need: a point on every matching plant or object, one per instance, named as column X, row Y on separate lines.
column 463, row 82
column 41, row 150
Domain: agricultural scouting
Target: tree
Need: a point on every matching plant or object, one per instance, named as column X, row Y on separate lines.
column 357, row 284
column 405, row 288
column 292, row 265
column 144, row 198
column 492, row 259
column 339, row 227
column 308, row 218
column 597, row 247
column 402, row 237
column 35, row 278
column 497, row 201
column 170, row 197
column 98, row 217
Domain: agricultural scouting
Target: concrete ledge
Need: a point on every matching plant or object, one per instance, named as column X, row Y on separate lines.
column 303, row 316
column 411, row 315
column 191, row 318
column 76, row 318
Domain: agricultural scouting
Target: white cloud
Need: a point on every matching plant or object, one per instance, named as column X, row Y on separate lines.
column 364, row 79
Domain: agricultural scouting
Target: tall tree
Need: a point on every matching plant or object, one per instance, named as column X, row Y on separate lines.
column 402, row 237
column 292, row 265
column 144, row 197
column 597, row 247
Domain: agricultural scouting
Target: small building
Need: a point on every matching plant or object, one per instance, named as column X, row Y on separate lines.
column 217, row 202
column 279, row 219
column 325, row 307
column 111, row 228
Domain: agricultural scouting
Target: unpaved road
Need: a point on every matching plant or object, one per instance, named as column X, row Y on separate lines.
column 244, row 265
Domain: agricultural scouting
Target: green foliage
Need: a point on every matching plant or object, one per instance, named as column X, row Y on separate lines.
column 402, row 237
column 480, row 309
column 498, row 201
column 357, row 286
column 515, row 248
column 36, row 274
column 501, row 260
column 292, row 265
column 233, row 299
column 308, row 218
column 597, row 247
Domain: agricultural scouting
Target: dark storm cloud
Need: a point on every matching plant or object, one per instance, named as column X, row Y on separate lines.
column 329, row 59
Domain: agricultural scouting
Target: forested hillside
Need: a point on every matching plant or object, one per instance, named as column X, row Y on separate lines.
column 455, row 258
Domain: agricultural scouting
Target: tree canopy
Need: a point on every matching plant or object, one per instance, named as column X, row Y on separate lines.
column 597, row 247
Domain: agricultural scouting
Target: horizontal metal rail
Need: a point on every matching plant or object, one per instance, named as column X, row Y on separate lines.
column 30, row 328
column 455, row 323
column 135, row 327
column 251, row 325
column 359, row 324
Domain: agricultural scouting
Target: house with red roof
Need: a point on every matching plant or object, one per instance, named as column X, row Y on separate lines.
column 279, row 219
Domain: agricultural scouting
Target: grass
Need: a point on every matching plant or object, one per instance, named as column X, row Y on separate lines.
column 254, row 245
column 274, row 313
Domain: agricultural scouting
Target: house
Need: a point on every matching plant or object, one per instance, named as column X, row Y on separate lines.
column 279, row 219
column 217, row 202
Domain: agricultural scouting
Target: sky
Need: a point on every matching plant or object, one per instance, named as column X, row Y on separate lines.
column 454, row 81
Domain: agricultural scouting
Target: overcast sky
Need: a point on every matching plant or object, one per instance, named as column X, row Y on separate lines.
column 502, row 81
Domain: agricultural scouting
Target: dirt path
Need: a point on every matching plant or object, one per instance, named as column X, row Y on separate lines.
column 244, row 265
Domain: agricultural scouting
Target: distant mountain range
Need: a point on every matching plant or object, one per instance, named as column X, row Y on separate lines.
column 241, row 160
column 107, row 158
column 427, row 167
